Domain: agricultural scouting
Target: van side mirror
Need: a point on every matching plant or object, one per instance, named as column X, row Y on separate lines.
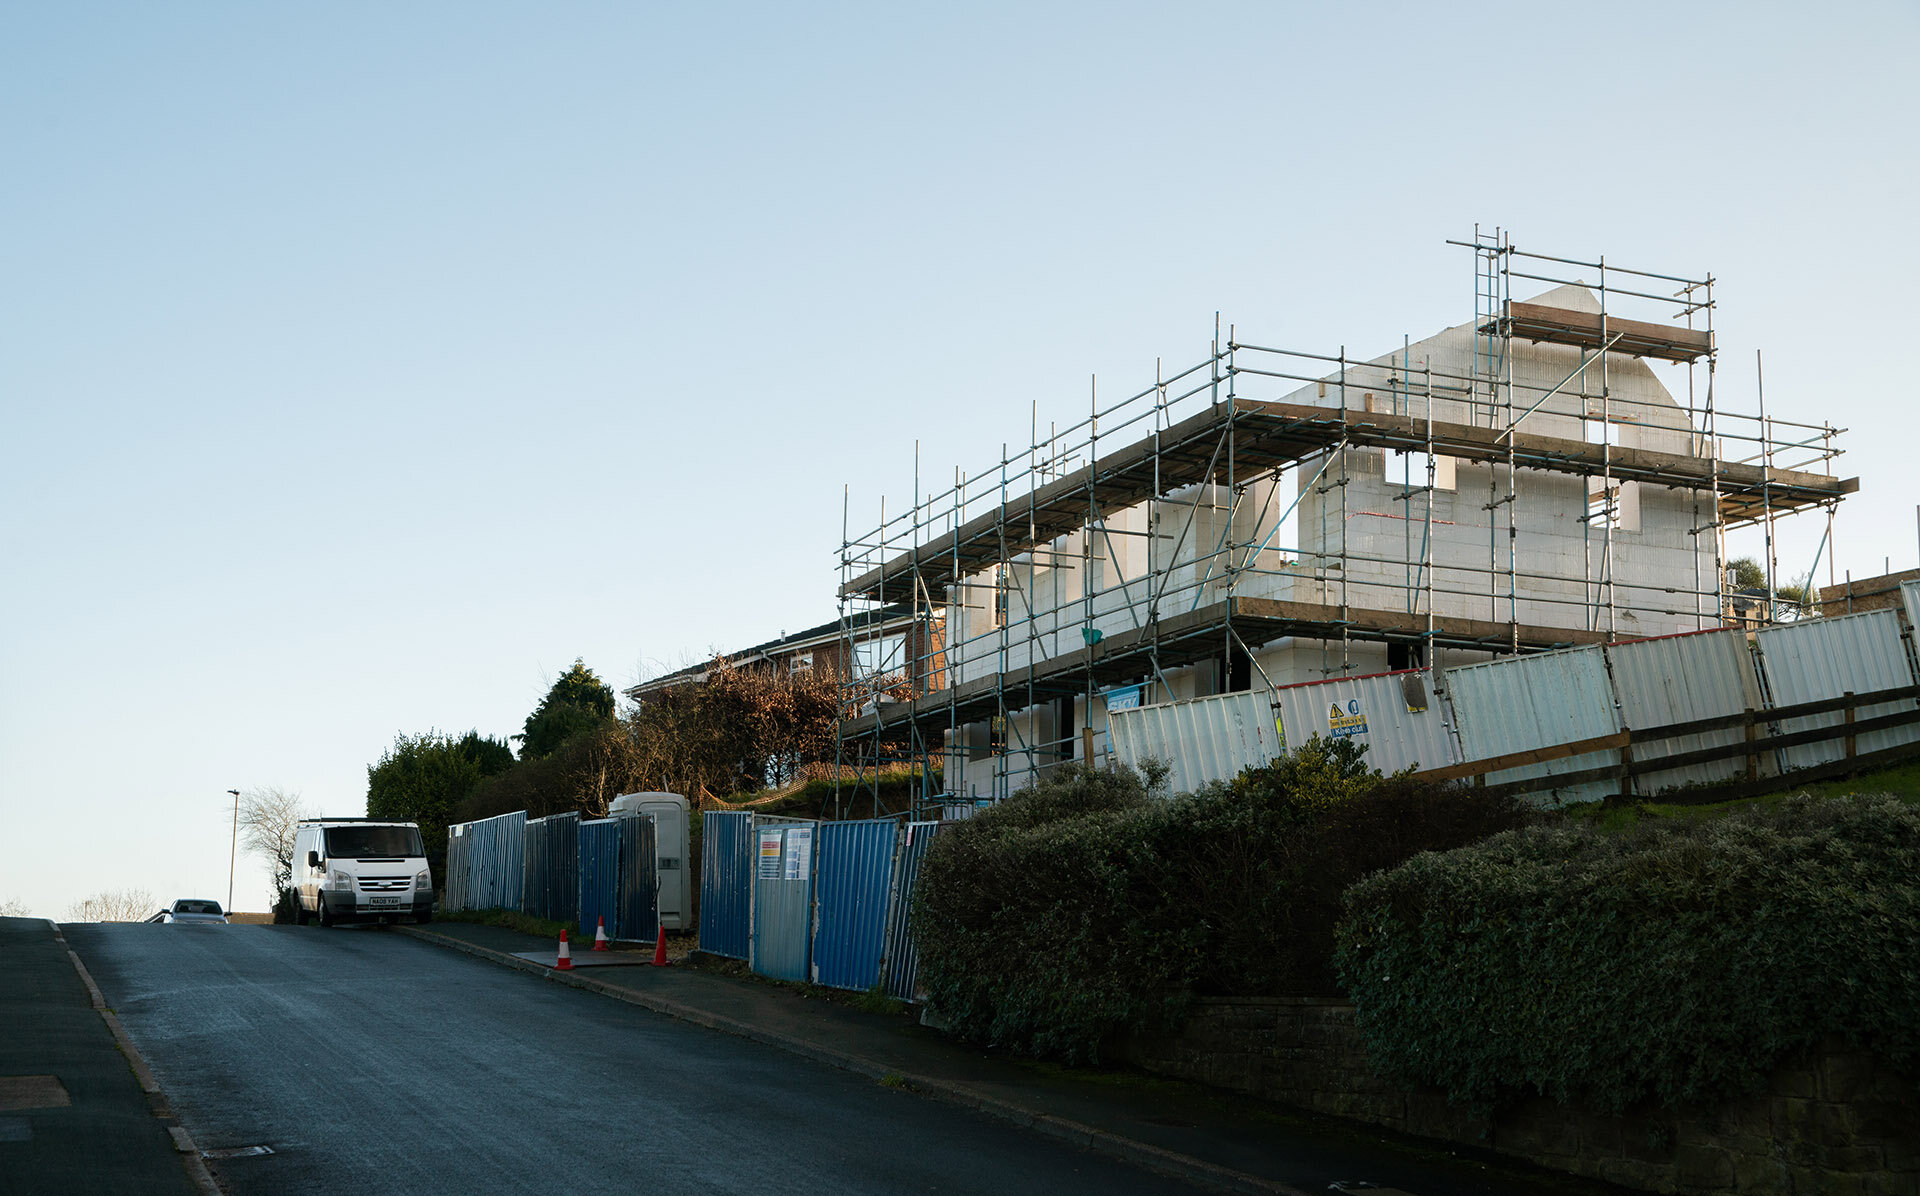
column 313, row 859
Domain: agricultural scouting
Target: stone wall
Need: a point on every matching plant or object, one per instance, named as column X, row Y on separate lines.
column 1833, row 1123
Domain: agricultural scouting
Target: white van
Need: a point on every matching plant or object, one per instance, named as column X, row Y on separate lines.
column 669, row 814
column 360, row 869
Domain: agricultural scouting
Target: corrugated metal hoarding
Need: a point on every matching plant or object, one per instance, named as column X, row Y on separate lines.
column 1527, row 702
column 726, row 882
column 856, row 862
column 1204, row 739
column 553, row 850
column 903, row 956
column 1677, row 679
column 639, row 892
column 784, row 865
column 1397, row 716
column 492, row 862
column 455, row 884
column 1826, row 658
column 599, row 872
column 1910, row 603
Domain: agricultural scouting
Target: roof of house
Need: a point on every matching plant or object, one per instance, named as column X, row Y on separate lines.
column 693, row 674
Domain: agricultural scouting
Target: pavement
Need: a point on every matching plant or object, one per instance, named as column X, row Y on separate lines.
column 1205, row 1136
column 79, row 1111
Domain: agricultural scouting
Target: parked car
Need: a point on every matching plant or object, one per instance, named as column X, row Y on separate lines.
column 197, row 910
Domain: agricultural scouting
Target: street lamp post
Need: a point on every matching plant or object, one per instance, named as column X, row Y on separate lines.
column 234, row 849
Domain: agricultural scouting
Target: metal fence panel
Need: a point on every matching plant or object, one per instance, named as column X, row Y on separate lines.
column 1527, row 702
column 1397, row 716
column 1202, row 739
column 553, row 855
column 1910, row 602
column 1814, row 659
column 455, row 884
column 639, row 888
column 784, row 864
column 486, row 861
column 726, row 882
column 599, row 875
column 1679, row 678
column 902, row 964
column 501, row 852
column 850, row 921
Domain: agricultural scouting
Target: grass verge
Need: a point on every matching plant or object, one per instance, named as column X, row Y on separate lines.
column 1902, row 781
column 513, row 919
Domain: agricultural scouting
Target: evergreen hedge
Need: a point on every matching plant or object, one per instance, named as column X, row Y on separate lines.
column 1679, row 962
column 1084, row 909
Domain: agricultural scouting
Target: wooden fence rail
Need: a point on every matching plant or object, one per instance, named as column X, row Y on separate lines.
column 1632, row 763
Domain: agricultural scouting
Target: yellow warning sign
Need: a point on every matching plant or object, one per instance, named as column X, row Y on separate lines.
column 1350, row 721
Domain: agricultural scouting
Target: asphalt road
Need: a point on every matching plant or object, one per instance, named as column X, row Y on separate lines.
column 370, row 1061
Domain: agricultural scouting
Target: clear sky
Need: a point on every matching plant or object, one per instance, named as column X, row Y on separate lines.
column 364, row 364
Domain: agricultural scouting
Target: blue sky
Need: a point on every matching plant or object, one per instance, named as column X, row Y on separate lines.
column 362, row 365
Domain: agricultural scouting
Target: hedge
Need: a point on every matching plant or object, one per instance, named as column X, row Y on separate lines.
column 1084, row 909
column 1676, row 963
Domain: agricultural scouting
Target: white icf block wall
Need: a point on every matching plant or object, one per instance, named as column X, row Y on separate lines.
column 1163, row 556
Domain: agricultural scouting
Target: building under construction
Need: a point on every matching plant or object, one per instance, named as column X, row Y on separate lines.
column 1555, row 471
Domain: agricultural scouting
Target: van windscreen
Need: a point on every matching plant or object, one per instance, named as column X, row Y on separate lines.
column 365, row 842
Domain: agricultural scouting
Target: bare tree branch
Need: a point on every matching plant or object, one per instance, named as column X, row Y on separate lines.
column 120, row 905
column 268, row 818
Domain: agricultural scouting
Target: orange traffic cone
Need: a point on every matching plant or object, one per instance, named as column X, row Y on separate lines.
column 660, row 949
column 565, row 962
column 600, row 942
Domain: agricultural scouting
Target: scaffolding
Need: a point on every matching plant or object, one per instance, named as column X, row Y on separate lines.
column 1150, row 534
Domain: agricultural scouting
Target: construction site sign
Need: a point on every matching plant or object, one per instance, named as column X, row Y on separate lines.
column 1342, row 723
column 769, row 854
column 799, row 862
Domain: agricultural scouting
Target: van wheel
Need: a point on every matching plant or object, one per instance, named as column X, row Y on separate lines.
column 425, row 918
column 300, row 915
column 325, row 915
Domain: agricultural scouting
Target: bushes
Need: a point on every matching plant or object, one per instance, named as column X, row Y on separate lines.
column 1677, row 962
column 1032, row 924
column 1083, row 909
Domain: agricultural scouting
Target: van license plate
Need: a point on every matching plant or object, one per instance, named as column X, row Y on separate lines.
column 383, row 901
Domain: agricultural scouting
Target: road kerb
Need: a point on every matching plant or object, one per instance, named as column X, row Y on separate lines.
column 1104, row 1142
column 190, row 1157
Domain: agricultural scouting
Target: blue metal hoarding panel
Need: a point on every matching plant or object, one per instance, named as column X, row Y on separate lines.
column 726, row 882
column 903, row 956
column 502, row 852
column 553, row 850
column 486, row 862
column 638, row 901
column 454, row 886
column 784, row 866
column 856, row 879
column 599, row 876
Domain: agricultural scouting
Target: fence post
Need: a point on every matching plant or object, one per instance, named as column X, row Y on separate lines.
column 1851, row 706
column 1753, row 755
column 1626, row 766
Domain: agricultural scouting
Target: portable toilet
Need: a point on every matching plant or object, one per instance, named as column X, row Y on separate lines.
column 669, row 814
